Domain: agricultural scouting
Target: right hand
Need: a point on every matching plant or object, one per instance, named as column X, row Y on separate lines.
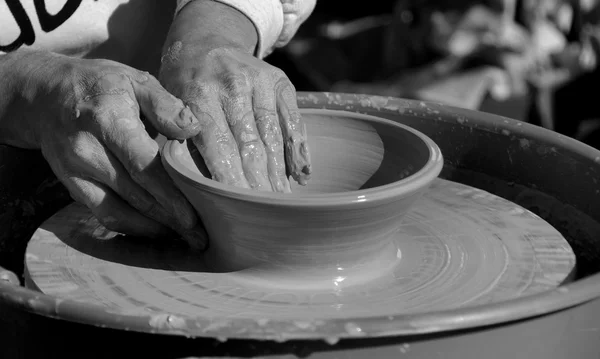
column 84, row 115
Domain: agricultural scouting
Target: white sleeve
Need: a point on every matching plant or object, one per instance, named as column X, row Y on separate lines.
column 276, row 21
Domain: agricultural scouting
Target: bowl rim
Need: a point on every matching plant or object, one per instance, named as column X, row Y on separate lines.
column 412, row 183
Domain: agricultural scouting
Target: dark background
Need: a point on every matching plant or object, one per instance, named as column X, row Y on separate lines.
column 531, row 60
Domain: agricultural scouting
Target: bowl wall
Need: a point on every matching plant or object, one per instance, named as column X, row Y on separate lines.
column 367, row 174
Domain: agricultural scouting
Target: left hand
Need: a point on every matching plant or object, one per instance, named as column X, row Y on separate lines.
column 250, row 124
column 9, row 277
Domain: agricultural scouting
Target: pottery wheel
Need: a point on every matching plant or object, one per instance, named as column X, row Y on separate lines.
column 459, row 246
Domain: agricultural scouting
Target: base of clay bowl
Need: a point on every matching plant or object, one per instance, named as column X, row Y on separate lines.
column 367, row 172
column 335, row 276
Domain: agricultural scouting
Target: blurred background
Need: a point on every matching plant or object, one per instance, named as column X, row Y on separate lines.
column 532, row 60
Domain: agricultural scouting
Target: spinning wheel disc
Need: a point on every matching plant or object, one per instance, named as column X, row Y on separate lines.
column 459, row 246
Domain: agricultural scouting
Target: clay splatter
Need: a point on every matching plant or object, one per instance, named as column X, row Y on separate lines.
column 404, row 348
column 353, row 329
column 524, row 143
column 167, row 321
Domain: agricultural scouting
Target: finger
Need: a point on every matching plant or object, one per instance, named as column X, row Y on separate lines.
column 123, row 134
column 111, row 211
column 95, row 161
column 119, row 181
column 267, row 122
column 294, row 132
column 165, row 112
column 240, row 117
column 217, row 145
column 8, row 277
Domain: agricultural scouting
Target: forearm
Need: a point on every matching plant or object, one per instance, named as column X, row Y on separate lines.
column 13, row 127
column 205, row 24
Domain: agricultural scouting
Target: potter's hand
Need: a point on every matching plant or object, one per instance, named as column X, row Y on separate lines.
column 251, row 133
column 84, row 115
column 250, row 124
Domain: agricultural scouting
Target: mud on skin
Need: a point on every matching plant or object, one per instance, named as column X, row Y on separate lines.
column 251, row 132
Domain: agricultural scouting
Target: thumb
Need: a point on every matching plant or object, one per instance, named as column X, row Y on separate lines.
column 167, row 114
column 8, row 277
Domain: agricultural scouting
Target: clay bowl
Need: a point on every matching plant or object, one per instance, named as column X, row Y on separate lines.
column 367, row 172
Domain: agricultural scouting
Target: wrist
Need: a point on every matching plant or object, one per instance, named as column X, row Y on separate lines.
column 14, row 126
column 20, row 111
column 203, row 25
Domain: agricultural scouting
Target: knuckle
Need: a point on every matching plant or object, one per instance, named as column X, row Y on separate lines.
column 273, row 139
column 82, row 146
column 105, row 63
column 270, row 131
column 278, row 74
column 103, row 83
column 145, row 206
column 225, row 144
column 237, row 113
column 288, row 90
column 236, row 84
column 223, row 138
column 284, row 86
column 251, row 149
column 112, row 77
column 197, row 89
column 265, row 118
column 145, row 76
column 220, row 53
column 112, row 82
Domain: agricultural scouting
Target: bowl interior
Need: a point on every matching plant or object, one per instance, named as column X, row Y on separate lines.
column 349, row 152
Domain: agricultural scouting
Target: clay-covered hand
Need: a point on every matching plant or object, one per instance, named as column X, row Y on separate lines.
column 251, row 132
column 250, row 126
column 84, row 115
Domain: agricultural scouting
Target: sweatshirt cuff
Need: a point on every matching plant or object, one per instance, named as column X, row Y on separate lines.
column 266, row 15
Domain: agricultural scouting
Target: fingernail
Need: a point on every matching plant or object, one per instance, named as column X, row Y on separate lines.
column 197, row 238
column 186, row 119
column 9, row 277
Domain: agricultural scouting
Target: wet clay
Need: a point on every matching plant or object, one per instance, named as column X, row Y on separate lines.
column 461, row 234
column 457, row 247
column 367, row 174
